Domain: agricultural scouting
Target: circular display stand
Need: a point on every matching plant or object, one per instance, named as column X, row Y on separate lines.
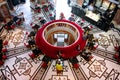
column 68, row 51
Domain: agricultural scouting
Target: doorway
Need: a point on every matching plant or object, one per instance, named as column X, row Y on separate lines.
column 62, row 6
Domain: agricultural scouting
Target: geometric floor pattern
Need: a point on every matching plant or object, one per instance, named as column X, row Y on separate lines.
column 19, row 66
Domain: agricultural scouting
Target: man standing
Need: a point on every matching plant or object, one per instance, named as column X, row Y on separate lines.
column 68, row 2
column 59, row 68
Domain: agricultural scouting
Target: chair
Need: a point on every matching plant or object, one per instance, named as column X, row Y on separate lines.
column 31, row 23
column 4, row 57
column 83, row 20
column 5, row 43
column 27, row 33
column 27, row 45
column 95, row 47
column 116, row 55
column 19, row 22
column 46, row 9
column 6, row 27
column 90, row 57
column 76, row 65
column 43, row 3
column 39, row 10
column 32, row 55
column 44, row 64
column 117, row 48
column 12, row 26
column 35, row 11
column 39, row 18
column 4, row 50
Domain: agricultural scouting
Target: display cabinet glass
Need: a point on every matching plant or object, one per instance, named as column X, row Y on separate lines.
column 98, row 3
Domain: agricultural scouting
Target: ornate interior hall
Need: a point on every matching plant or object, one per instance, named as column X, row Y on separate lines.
column 35, row 34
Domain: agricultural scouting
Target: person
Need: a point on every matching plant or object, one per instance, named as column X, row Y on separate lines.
column 68, row 2
column 62, row 16
column 21, row 16
column 86, row 54
column 18, row 18
column 90, row 7
column 42, row 21
column 36, row 51
column 51, row 17
column 59, row 67
column 71, row 18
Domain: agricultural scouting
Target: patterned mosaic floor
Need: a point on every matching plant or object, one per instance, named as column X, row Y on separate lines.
column 19, row 66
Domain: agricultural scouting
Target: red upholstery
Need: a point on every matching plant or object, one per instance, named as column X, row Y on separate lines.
column 32, row 55
column 46, row 9
column 12, row 26
column 31, row 23
column 4, row 57
column 116, row 55
column 117, row 48
column 44, row 64
column 18, row 22
column 4, row 50
column 43, row 3
column 38, row 10
column 90, row 57
column 33, row 27
column 35, row 11
column 50, row 14
column 83, row 20
column 26, row 33
column 39, row 18
column 76, row 65
column 119, row 60
column 27, row 45
column 95, row 47
column 5, row 42
column 6, row 27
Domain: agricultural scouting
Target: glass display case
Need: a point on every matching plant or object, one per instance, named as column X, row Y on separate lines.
column 105, row 5
column 98, row 3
